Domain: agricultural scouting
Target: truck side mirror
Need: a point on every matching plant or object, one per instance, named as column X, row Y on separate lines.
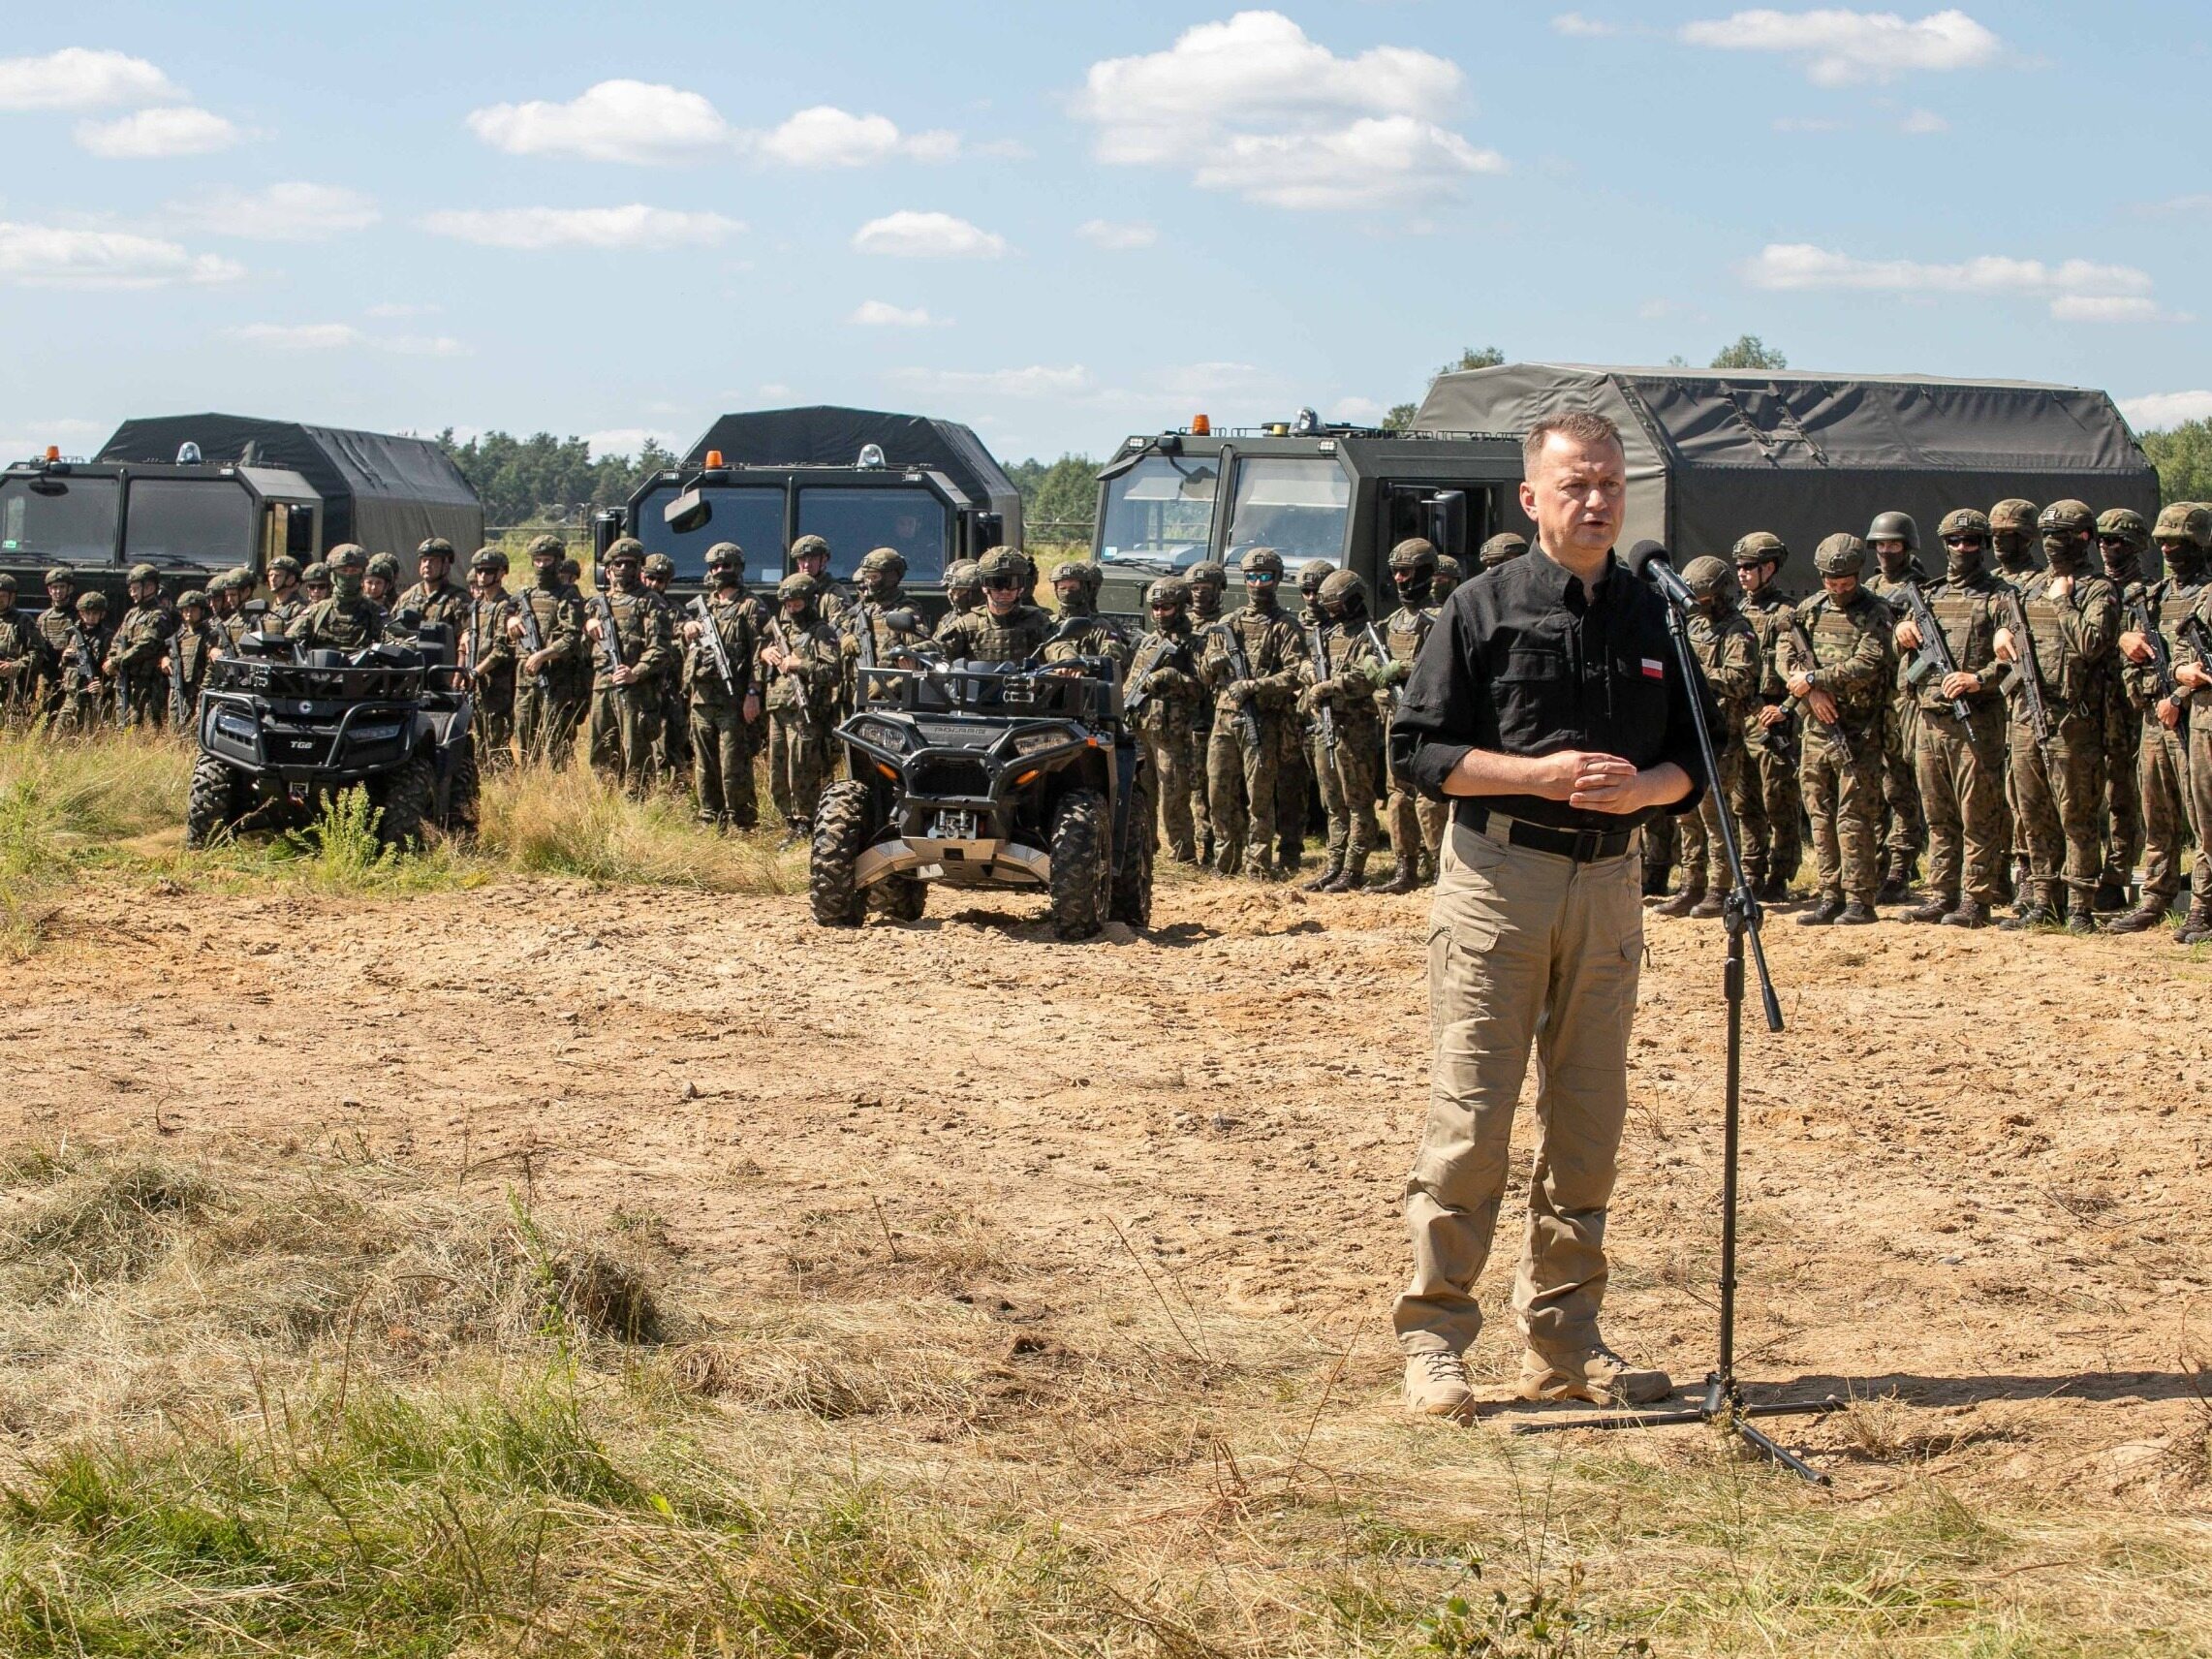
column 1446, row 514
column 687, row 512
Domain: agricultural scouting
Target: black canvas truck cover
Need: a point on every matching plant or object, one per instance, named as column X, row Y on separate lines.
column 1714, row 455
column 388, row 493
column 827, row 436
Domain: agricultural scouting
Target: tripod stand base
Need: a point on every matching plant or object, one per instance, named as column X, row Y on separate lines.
column 1724, row 1407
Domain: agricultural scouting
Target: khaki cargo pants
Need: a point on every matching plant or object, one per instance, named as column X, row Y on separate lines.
column 1524, row 947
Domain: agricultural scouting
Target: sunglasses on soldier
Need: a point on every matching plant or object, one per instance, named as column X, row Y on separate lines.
column 1003, row 583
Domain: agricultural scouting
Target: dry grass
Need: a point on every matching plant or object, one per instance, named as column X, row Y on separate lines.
column 536, row 821
column 343, row 1408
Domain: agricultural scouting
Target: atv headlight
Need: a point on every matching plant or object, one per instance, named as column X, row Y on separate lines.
column 236, row 725
column 382, row 733
column 1027, row 743
column 884, row 735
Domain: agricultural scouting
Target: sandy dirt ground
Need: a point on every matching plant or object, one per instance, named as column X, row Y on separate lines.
column 1976, row 1166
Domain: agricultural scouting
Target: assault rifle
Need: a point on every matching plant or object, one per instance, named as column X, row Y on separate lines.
column 533, row 642
column 1933, row 659
column 1832, row 730
column 1241, row 666
column 177, row 674
column 2028, row 673
column 2191, row 628
column 1382, row 656
column 1163, row 646
column 2162, row 660
column 802, row 709
column 713, row 637
column 609, row 636
column 1317, row 647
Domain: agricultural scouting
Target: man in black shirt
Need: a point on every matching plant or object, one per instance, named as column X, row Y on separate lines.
column 1549, row 709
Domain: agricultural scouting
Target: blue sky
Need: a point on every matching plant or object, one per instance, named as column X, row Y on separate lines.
column 1064, row 224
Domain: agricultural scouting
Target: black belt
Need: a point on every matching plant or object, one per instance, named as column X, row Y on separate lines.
column 1583, row 846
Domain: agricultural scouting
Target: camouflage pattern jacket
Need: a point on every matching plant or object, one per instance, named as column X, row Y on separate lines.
column 642, row 638
column 812, row 676
column 339, row 624
column 1098, row 637
column 444, row 602
column 1728, row 651
column 1165, row 674
column 732, row 622
column 487, row 648
column 21, row 655
column 1968, row 612
column 2075, row 637
column 1851, row 654
column 1347, row 689
column 2168, row 604
column 981, row 638
column 135, row 652
column 192, row 649
column 558, row 615
column 1273, row 651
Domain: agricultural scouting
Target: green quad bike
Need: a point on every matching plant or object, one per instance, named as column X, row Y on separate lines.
column 1006, row 775
column 284, row 729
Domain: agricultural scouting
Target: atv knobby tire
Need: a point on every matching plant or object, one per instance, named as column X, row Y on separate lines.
column 219, row 797
column 1131, row 900
column 403, row 798
column 899, row 898
column 1080, row 829
column 840, row 835
column 461, row 792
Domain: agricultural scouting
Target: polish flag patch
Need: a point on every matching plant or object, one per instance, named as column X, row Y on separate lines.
column 1652, row 669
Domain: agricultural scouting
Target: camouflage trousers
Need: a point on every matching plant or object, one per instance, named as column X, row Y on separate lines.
column 1704, row 855
column 1173, row 751
column 1201, row 809
column 1843, row 799
column 2169, row 815
column 1904, row 826
column 1240, row 791
column 672, row 747
column 2060, row 801
column 621, row 734
column 1299, row 776
column 491, row 728
column 2198, row 789
column 797, row 765
column 83, row 712
column 2122, row 809
column 1348, row 780
column 546, row 722
column 144, row 698
column 1661, row 843
column 1415, row 823
column 1962, row 788
column 1773, row 839
column 722, row 766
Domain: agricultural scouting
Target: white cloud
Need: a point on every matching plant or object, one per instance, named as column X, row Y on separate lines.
column 77, row 77
column 826, row 136
column 2113, row 309
column 1115, row 237
column 49, row 256
column 1788, row 266
column 629, row 440
column 2156, row 411
column 1837, row 48
column 2194, row 203
column 635, row 226
column 67, row 434
column 1357, row 410
column 774, row 389
column 421, row 346
column 1037, row 380
column 1809, row 124
column 297, row 336
column 152, row 134
column 1255, row 105
column 616, row 120
column 883, row 314
column 293, row 213
column 1923, row 122
column 392, row 309
column 909, row 235
column 1575, row 26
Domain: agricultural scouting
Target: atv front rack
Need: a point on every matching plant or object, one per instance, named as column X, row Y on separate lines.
column 1010, row 691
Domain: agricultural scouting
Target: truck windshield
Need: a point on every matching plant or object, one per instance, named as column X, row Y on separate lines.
column 751, row 516
column 1158, row 515
column 1296, row 505
column 192, row 521
column 856, row 521
column 69, row 520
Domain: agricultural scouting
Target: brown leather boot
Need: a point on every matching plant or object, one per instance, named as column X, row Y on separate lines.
column 1683, row 902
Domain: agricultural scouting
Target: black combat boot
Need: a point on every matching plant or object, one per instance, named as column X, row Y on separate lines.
column 2196, row 927
column 1970, row 912
column 2037, row 909
column 1938, row 908
column 1774, row 889
column 1682, row 903
column 1654, row 879
column 1822, row 913
column 2079, row 916
column 1406, row 878
column 1857, row 914
column 1352, row 877
column 1894, row 888
column 1713, row 905
column 2141, row 920
column 1329, row 871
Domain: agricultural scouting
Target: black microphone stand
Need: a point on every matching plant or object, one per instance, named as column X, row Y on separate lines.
column 1724, row 1405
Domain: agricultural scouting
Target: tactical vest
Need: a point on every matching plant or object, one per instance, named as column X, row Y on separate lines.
column 1407, row 631
column 1344, row 643
column 2066, row 678
column 1969, row 613
column 1836, row 632
column 1709, row 638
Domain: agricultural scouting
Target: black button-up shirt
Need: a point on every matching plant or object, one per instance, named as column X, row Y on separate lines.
column 1524, row 661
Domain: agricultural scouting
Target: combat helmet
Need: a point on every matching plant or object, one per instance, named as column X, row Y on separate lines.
column 1708, row 578
column 316, row 575
column 541, row 546
column 1964, row 521
column 1260, row 561
column 2185, row 521
column 347, row 555
column 91, row 602
column 1168, row 593
column 434, row 548
column 964, row 575
column 2066, row 518
column 2126, row 525
column 284, row 564
column 1840, row 554
column 384, row 565
column 1000, row 563
column 1759, row 547
column 724, row 556
column 189, row 599
column 1502, row 548
column 1415, row 553
column 1206, row 573
column 659, row 564
column 1895, row 527
column 1083, row 571
column 2014, row 513
column 1312, row 574
column 796, row 585
column 142, row 573
column 1344, row 588
column 808, row 546
column 625, row 551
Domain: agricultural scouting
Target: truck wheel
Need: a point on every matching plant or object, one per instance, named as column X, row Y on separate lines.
column 1131, row 900
column 899, row 898
column 461, row 792
column 1079, row 831
column 840, row 833
column 405, row 795
column 211, row 805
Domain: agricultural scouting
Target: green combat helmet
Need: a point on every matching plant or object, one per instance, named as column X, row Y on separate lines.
column 726, row 555
column 385, row 565
column 191, row 599
column 660, row 565
column 796, row 585
column 2123, row 523
column 1708, row 578
column 434, row 548
column 1000, row 563
column 1895, row 527
column 316, row 575
column 1759, row 547
column 1343, row 593
column 1501, row 549
column 1964, row 521
column 284, row 564
column 1415, row 553
column 1312, row 574
column 142, row 573
column 2014, row 513
column 1840, row 554
column 92, row 603
column 2185, row 521
column 348, row 555
column 541, row 546
column 1450, row 573
column 1260, row 561
column 1168, row 593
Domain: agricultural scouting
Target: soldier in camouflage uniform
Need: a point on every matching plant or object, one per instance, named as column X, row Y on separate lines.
column 2193, row 684
column 184, row 664
column 810, row 557
column 487, row 651
column 50, row 628
column 1353, row 672
column 668, row 697
column 1416, row 822
column 1306, row 774
column 435, row 597
column 1895, row 541
column 380, row 583
column 1245, row 755
column 1009, row 628
column 1207, row 580
column 631, row 645
column 552, row 679
column 19, row 655
column 2162, row 767
column 2073, row 623
column 2122, row 539
column 1834, row 656
column 1501, row 549
column 1075, row 586
column 1772, row 840
column 881, row 621
column 1448, row 575
column 314, row 583
column 1728, row 651
column 349, row 620
column 87, row 693
column 801, row 659
column 134, row 659
column 722, row 710
column 963, row 587
column 1961, row 763
column 287, row 594
column 226, row 597
column 2012, row 538
column 1165, row 686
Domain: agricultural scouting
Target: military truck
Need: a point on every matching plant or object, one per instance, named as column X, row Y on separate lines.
column 857, row 477
column 1306, row 487
column 194, row 494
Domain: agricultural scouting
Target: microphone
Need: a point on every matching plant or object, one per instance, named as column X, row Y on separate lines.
column 1649, row 560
